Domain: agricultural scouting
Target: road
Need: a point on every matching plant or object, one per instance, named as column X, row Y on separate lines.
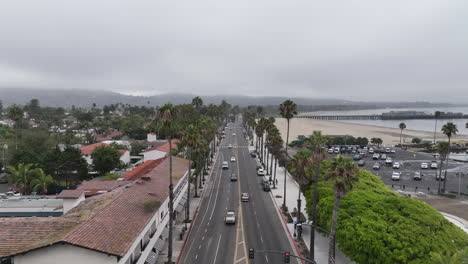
column 258, row 223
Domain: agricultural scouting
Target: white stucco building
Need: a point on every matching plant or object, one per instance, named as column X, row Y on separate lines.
column 123, row 226
column 159, row 151
column 86, row 151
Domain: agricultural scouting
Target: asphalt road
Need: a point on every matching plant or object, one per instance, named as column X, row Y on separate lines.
column 258, row 223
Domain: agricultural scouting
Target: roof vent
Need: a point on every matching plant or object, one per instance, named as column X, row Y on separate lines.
column 146, row 178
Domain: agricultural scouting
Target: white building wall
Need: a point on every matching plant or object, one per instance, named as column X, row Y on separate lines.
column 68, row 203
column 153, row 155
column 151, row 137
column 88, row 159
column 125, row 158
column 64, row 254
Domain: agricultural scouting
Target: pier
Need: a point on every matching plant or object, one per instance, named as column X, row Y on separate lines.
column 380, row 117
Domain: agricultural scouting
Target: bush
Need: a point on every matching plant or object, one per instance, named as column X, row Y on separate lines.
column 376, row 225
column 151, row 205
column 109, row 176
column 416, row 141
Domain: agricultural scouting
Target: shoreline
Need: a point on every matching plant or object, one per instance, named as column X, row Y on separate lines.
column 390, row 136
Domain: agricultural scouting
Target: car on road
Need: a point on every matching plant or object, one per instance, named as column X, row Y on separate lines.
column 253, row 154
column 233, row 134
column 266, row 186
column 361, row 163
column 230, row 217
column 396, row 165
column 376, row 166
column 383, row 157
column 261, row 172
column 233, row 177
column 376, row 156
column 244, row 197
column 417, row 176
column 371, row 151
column 396, row 176
column 233, row 159
column 388, row 161
column 424, row 165
column 434, row 165
column 230, row 146
column 357, row 157
column 225, row 165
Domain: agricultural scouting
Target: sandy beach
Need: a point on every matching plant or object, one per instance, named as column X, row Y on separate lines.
column 390, row 136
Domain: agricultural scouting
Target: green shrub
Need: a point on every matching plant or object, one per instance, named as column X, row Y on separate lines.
column 377, row 225
column 109, row 176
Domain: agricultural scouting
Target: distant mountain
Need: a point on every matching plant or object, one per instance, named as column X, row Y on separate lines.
column 86, row 98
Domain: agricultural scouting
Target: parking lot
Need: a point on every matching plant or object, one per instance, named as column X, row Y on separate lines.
column 457, row 174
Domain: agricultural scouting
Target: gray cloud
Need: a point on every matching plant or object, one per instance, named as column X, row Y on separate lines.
column 378, row 50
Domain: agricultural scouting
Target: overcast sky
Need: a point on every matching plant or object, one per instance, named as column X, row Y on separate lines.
column 368, row 49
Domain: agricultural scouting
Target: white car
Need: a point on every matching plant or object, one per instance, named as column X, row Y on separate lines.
column 424, row 165
column 233, row 134
column 225, row 165
column 261, row 172
column 233, row 159
column 434, row 165
column 396, row 165
column 244, row 197
column 396, row 176
column 230, row 146
column 371, row 151
column 330, row 151
column 230, row 217
column 388, row 161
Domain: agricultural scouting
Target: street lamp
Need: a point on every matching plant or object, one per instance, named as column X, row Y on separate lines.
column 5, row 147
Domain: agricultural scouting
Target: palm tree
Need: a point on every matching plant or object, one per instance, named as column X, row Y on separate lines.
column 197, row 102
column 20, row 176
column 167, row 115
column 459, row 257
column 443, row 149
column 343, row 176
column 449, row 129
column 288, row 109
column 40, row 181
column 190, row 139
column 316, row 141
column 299, row 167
column 15, row 113
column 401, row 126
column 436, row 115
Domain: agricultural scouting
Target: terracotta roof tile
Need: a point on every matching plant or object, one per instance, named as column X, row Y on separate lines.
column 164, row 147
column 143, row 169
column 70, row 194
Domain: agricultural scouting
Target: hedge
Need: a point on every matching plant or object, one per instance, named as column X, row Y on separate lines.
column 377, row 225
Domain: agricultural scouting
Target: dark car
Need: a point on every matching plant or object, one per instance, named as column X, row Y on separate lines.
column 253, row 154
column 233, row 177
column 357, row 157
column 361, row 163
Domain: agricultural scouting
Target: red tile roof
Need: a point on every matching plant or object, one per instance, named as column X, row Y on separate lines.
column 100, row 137
column 164, row 147
column 143, row 169
column 108, row 223
column 101, row 185
column 87, row 150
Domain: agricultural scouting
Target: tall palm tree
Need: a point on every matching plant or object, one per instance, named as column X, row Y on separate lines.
column 190, row 139
column 436, row 115
column 167, row 115
column 443, row 149
column 343, row 176
column 40, row 181
column 288, row 109
column 20, row 176
column 316, row 141
column 401, row 126
column 299, row 167
column 15, row 113
column 449, row 129
column 197, row 102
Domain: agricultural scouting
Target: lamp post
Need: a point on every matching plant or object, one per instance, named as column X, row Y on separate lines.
column 5, row 147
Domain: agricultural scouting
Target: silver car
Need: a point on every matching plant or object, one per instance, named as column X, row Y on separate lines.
column 230, row 217
column 244, row 197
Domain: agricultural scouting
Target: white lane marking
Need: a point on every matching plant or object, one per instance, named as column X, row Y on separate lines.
column 261, row 239
column 203, row 238
column 240, row 259
column 266, row 257
column 200, row 246
column 196, row 256
column 206, row 230
column 255, row 212
column 217, row 248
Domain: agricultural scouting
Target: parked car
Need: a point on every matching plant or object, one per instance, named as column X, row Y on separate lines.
column 387, row 150
column 233, row 177
column 225, row 165
column 376, row 156
column 424, row 165
column 417, row 176
column 337, row 150
column 396, row 176
column 330, row 151
column 244, row 197
column 371, row 151
column 253, row 154
column 233, row 159
column 357, row 157
column 361, row 163
column 261, row 172
column 434, row 165
column 396, row 165
column 383, row 157
column 230, row 217
column 376, row 166
column 388, row 161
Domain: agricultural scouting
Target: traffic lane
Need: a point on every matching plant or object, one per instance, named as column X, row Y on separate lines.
column 263, row 226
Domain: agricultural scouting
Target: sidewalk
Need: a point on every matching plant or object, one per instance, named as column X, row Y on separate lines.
column 292, row 189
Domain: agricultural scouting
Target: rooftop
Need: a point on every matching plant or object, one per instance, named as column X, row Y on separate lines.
column 164, row 146
column 70, row 194
column 108, row 223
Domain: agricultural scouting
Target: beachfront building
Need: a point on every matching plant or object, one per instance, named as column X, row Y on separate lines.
column 159, row 151
column 127, row 225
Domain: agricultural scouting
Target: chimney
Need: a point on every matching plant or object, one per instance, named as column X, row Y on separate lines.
column 151, row 137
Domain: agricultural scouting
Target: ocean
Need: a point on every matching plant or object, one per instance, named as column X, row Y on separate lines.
column 414, row 124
